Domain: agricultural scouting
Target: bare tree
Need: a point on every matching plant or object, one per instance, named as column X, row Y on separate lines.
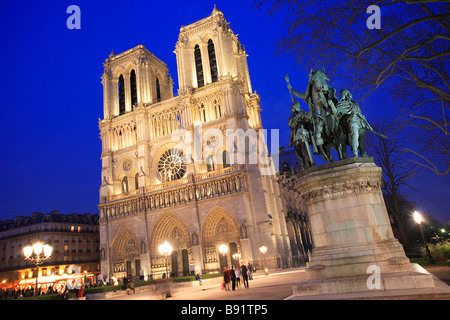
column 408, row 57
column 397, row 171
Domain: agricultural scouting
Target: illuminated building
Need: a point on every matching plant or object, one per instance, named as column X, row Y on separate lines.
column 154, row 190
column 74, row 238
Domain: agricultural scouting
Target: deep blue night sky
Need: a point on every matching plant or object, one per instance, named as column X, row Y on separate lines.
column 51, row 92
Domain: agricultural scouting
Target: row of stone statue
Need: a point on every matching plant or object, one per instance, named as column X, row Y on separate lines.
column 329, row 124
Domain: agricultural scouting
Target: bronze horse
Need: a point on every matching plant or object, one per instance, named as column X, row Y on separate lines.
column 321, row 99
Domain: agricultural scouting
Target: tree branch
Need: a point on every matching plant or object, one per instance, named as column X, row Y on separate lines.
column 431, row 165
column 398, row 30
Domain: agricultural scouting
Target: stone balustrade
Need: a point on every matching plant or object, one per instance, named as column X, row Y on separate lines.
column 204, row 186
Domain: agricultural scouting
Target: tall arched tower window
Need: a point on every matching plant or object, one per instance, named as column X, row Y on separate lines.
column 198, row 66
column 217, row 109
column 121, row 87
column 133, row 87
column 158, row 91
column 202, row 113
column 212, row 60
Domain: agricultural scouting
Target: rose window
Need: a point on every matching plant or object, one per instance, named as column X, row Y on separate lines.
column 171, row 165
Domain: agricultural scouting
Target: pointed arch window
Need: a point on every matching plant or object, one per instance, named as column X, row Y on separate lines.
column 136, row 181
column 133, row 88
column 158, row 91
column 198, row 66
column 217, row 109
column 212, row 60
column 210, row 163
column 124, row 185
column 202, row 113
column 121, row 87
column 225, row 159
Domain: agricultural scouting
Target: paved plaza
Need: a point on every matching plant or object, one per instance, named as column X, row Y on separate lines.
column 276, row 286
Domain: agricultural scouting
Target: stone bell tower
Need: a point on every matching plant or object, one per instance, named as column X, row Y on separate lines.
column 133, row 78
column 208, row 51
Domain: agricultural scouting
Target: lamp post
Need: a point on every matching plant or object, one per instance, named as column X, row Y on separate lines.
column 418, row 218
column 166, row 250
column 223, row 249
column 237, row 256
column 263, row 250
column 37, row 254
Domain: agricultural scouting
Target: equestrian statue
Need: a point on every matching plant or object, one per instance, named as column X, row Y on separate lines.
column 328, row 124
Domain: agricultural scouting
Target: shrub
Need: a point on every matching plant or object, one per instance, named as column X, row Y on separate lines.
column 439, row 251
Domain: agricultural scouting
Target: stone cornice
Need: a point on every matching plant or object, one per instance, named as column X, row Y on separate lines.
column 136, row 53
column 339, row 178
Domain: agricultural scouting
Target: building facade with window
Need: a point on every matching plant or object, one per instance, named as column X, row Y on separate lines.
column 74, row 238
column 190, row 169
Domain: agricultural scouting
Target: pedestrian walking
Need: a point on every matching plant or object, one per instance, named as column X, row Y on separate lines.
column 238, row 277
column 226, row 278
column 250, row 271
column 244, row 275
column 233, row 278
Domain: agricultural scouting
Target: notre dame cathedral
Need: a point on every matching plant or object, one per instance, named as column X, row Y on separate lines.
column 172, row 172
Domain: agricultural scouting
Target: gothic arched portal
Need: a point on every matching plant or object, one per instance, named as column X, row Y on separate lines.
column 169, row 227
column 125, row 254
column 220, row 228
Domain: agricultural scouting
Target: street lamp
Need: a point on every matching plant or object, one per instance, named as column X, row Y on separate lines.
column 237, row 256
column 37, row 254
column 418, row 218
column 263, row 250
column 166, row 250
column 223, row 249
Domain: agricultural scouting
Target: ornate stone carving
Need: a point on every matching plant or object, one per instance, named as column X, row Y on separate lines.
column 341, row 189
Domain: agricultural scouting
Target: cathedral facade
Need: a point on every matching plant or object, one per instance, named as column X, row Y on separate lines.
column 190, row 169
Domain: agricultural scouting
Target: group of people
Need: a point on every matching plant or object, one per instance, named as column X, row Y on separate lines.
column 17, row 293
column 232, row 275
column 59, row 288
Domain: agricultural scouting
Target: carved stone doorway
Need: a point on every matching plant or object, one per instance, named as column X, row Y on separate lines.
column 169, row 227
column 124, row 254
column 220, row 228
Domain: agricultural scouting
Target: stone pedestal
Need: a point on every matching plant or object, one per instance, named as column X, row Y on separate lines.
column 354, row 246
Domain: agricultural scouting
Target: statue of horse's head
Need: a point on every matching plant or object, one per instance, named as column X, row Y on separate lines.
column 318, row 79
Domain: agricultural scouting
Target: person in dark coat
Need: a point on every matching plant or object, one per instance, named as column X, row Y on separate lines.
column 244, row 275
column 233, row 278
column 226, row 278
